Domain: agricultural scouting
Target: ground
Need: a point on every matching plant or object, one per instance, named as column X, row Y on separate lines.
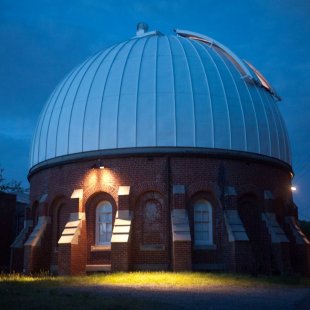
column 202, row 292
column 205, row 298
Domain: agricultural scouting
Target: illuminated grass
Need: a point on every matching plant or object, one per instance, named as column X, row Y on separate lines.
column 17, row 277
column 190, row 279
column 47, row 292
column 167, row 279
column 158, row 279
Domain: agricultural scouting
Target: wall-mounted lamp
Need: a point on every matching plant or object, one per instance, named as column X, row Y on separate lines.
column 293, row 188
column 98, row 165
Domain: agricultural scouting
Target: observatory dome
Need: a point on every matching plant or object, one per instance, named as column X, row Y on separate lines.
column 155, row 91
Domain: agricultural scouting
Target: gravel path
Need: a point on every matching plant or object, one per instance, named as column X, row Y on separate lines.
column 210, row 297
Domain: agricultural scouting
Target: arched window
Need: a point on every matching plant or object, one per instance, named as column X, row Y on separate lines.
column 152, row 222
column 203, row 223
column 104, row 223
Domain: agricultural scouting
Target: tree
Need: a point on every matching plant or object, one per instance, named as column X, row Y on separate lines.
column 10, row 186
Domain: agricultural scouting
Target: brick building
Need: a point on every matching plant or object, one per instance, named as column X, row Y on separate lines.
column 162, row 153
column 12, row 214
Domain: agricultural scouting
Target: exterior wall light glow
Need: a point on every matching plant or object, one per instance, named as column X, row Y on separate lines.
column 293, row 188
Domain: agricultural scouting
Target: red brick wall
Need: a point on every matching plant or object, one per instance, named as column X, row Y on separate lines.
column 79, row 253
column 151, row 179
column 120, row 256
column 182, row 261
column 64, row 259
column 60, row 213
column 250, row 210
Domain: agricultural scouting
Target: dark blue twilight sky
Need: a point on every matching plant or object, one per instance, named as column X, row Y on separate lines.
column 41, row 41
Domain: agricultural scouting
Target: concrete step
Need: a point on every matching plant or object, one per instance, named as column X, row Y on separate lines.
column 95, row 268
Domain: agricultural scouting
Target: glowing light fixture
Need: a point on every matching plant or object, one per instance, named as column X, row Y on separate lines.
column 98, row 165
column 293, row 188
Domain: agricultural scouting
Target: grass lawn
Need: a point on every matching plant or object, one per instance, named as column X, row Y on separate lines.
column 190, row 279
column 48, row 292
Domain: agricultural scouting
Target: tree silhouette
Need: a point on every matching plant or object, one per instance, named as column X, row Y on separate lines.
column 10, row 186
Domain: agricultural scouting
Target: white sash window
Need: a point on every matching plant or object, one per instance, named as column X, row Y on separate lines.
column 104, row 223
column 203, row 223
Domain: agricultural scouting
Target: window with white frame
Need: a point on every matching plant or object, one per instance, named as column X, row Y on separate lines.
column 203, row 223
column 104, row 223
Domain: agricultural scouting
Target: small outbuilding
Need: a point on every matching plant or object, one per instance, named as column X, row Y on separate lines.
column 13, row 207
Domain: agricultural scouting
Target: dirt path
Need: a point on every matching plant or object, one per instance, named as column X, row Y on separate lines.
column 209, row 297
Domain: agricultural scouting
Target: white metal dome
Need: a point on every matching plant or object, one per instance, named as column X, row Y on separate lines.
column 153, row 91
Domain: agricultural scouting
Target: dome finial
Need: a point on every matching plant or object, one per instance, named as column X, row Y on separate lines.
column 142, row 28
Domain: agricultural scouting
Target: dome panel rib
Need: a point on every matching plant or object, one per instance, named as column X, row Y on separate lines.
column 195, row 74
column 166, row 121
column 207, row 140
column 264, row 139
column 60, row 127
column 191, row 102
column 53, row 115
column 146, row 104
column 127, row 99
column 265, row 121
column 185, row 130
column 34, row 156
column 236, row 118
column 76, row 129
column 284, row 141
column 90, row 133
column 275, row 152
column 240, row 117
column 251, row 114
column 138, row 90
column 105, row 117
column 221, row 118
